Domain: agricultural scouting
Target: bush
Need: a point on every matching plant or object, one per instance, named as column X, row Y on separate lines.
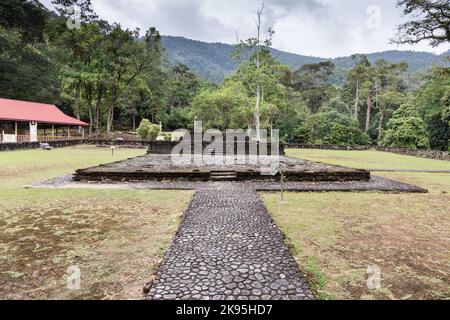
column 438, row 132
column 344, row 135
column 147, row 130
column 406, row 129
column 301, row 134
column 332, row 127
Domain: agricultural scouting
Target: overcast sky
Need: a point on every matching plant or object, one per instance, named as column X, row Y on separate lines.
column 325, row 28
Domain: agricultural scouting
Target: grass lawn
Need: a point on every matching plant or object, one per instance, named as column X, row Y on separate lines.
column 337, row 236
column 369, row 159
column 115, row 237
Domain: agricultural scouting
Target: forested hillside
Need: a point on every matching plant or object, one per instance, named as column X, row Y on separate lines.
column 101, row 73
column 213, row 61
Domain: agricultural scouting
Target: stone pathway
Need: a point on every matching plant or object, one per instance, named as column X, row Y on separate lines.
column 375, row 184
column 228, row 247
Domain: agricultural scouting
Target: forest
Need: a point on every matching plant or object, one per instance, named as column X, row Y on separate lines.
column 113, row 78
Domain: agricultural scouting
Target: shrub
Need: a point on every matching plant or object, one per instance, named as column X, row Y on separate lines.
column 301, row 134
column 332, row 127
column 147, row 130
column 406, row 129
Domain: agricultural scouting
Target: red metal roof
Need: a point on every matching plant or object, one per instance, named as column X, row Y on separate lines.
column 16, row 110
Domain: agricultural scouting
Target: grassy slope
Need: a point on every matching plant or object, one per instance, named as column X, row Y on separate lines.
column 337, row 236
column 116, row 237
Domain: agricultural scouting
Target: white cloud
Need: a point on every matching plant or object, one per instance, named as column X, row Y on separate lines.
column 326, row 28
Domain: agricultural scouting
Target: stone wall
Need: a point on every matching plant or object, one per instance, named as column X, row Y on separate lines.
column 326, row 147
column 132, row 144
column 165, row 147
column 430, row 154
column 37, row 145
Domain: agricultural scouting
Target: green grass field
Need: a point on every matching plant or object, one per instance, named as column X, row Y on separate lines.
column 115, row 237
column 369, row 159
column 337, row 236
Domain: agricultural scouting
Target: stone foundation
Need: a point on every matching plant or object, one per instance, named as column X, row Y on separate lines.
column 162, row 168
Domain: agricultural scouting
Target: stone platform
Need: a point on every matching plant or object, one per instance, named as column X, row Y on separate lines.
column 155, row 167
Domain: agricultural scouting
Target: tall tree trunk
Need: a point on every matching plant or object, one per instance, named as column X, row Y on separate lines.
column 110, row 116
column 77, row 102
column 271, row 129
column 369, row 111
column 258, row 87
column 380, row 125
column 357, row 99
column 134, row 122
column 89, row 104
column 98, row 105
column 257, row 114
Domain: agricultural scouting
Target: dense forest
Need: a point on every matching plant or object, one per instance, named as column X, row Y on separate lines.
column 113, row 78
column 213, row 61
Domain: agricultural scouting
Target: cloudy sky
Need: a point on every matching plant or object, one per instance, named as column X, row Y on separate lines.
column 325, row 28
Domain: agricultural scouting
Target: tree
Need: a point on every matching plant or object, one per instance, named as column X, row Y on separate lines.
column 430, row 21
column 446, row 107
column 336, row 104
column 127, row 60
column 183, row 84
column 312, row 82
column 256, row 68
column 438, row 132
column 333, row 127
column 432, row 103
column 27, row 69
column 226, row 107
column 359, row 84
column 267, row 79
column 27, row 16
column 301, row 134
column 389, row 90
column 81, row 9
column 406, row 130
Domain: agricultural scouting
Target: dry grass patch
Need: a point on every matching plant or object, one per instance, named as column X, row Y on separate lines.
column 116, row 238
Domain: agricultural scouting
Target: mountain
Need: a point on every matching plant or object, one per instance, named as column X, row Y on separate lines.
column 212, row 61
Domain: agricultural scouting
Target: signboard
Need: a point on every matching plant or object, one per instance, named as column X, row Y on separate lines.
column 33, row 132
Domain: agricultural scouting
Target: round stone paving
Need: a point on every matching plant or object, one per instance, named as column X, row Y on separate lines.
column 228, row 247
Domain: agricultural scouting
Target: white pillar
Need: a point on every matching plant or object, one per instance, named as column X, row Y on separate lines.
column 33, row 131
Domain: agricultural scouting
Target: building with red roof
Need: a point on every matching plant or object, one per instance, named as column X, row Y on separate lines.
column 23, row 121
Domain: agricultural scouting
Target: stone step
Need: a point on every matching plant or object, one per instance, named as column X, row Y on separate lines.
column 223, row 175
column 223, row 178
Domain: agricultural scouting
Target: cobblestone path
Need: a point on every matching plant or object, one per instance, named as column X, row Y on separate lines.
column 227, row 247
